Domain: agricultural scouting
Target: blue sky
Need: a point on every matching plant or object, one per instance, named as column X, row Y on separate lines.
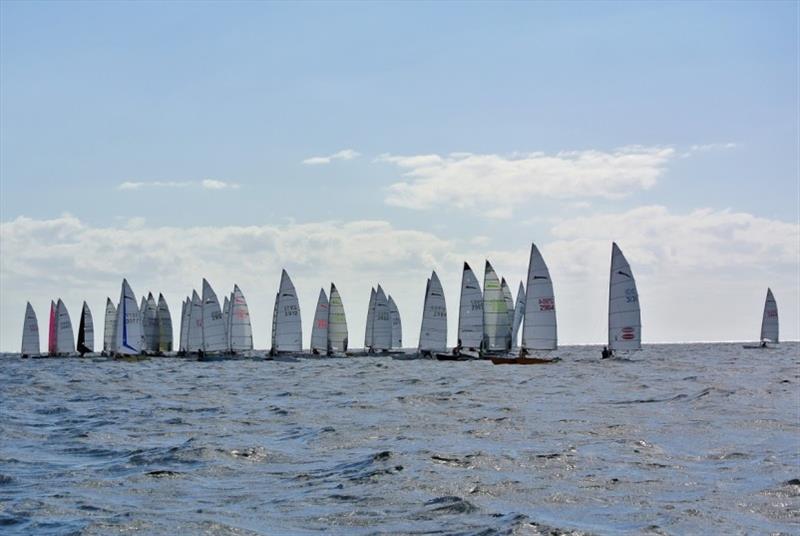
column 94, row 95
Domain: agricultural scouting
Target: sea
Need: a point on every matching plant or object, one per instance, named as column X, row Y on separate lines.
column 673, row 439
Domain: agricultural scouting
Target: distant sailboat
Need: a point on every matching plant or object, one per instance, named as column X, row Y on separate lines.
column 509, row 307
column 151, row 327
column 52, row 340
column 30, row 333
column 194, row 333
column 624, row 315
column 129, row 334
column 109, row 328
column 519, row 314
column 226, row 309
column 397, row 325
column 240, row 331
column 213, row 326
column 184, row 326
column 370, row 320
column 381, row 323
column 288, row 332
column 319, row 331
column 433, row 331
column 470, row 313
column 164, row 319
column 496, row 323
column 65, row 337
column 337, row 324
column 85, row 331
column 769, row 323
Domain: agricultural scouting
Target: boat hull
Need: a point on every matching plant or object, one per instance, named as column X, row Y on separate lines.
column 523, row 361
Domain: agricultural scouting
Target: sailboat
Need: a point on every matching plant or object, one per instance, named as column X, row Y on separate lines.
column 183, row 346
column 319, row 330
column 129, row 336
column 337, row 324
column 287, row 335
column 240, row 332
column 624, row 314
column 539, row 328
column 519, row 314
column 164, row 320
column 769, row 324
column 194, row 329
column 109, row 328
column 509, row 299
column 397, row 325
column 381, row 323
column 470, row 316
column 30, row 333
column 213, row 325
column 85, row 331
column 370, row 321
column 433, row 331
column 52, row 339
column 150, row 324
column 496, row 323
column 65, row 339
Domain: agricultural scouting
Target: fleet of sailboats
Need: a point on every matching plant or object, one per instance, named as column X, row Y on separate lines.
column 489, row 321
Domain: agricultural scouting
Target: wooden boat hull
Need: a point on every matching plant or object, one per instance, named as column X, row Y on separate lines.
column 523, row 361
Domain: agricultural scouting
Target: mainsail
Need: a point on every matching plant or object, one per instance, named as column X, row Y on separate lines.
column 194, row 333
column 150, row 320
column 164, row 319
column 109, row 327
column 185, row 304
column 337, row 323
column 370, row 320
column 288, row 327
column 769, row 322
column 214, row 339
column 86, row 331
column 129, row 322
column 381, row 322
column 519, row 314
column 319, row 331
column 433, row 332
column 509, row 305
column 226, row 310
column 496, row 326
column 397, row 326
column 240, row 330
column 52, row 341
column 65, row 337
column 624, row 317
column 470, row 311
column 30, row 332
column 539, row 331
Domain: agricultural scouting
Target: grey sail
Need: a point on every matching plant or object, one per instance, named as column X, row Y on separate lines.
column 214, row 336
column 65, row 338
column 240, row 329
column 433, row 332
column 150, row 319
column 769, row 321
column 288, row 327
column 624, row 316
column 509, row 306
column 319, row 331
column 129, row 336
column 381, row 322
column 496, row 326
column 470, row 311
column 109, row 327
column 519, row 314
column 184, row 325
column 397, row 325
column 30, row 332
column 164, row 319
column 337, row 323
column 226, row 309
column 194, row 335
column 539, row 329
column 370, row 320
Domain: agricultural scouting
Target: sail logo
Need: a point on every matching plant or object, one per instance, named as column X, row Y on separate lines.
column 547, row 304
column 628, row 333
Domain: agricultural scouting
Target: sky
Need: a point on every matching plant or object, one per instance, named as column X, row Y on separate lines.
column 367, row 143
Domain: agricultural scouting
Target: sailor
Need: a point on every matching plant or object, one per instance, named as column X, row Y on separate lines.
column 606, row 353
column 523, row 352
column 763, row 344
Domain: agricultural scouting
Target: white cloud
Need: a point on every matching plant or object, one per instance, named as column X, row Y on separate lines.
column 345, row 154
column 708, row 147
column 499, row 183
column 206, row 184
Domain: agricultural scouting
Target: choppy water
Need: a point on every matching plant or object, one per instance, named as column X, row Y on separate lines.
column 682, row 439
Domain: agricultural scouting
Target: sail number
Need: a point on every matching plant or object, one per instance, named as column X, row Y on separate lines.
column 631, row 296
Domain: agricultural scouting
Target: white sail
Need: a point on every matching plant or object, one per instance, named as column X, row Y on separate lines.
column 86, row 331
column 214, row 337
column 288, row 326
column 164, row 319
column 496, row 326
column 337, row 323
column 65, row 337
column 539, row 329
column 519, row 314
column 52, row 332
column 470, row 311
column 433, row 333
column 109, row 326
column 509, row 305
column 187, row 319
column 769, row 322
column 319, row 331
column 30, row 332
column 624, row 317
column 182, row 332
column 241, row 332
column 397, row 325
column 194, row 335
column 129, row 322
column 230, row 318
column 381, row 322
column 150, row 320
column 226, row 309
column 370, row 320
